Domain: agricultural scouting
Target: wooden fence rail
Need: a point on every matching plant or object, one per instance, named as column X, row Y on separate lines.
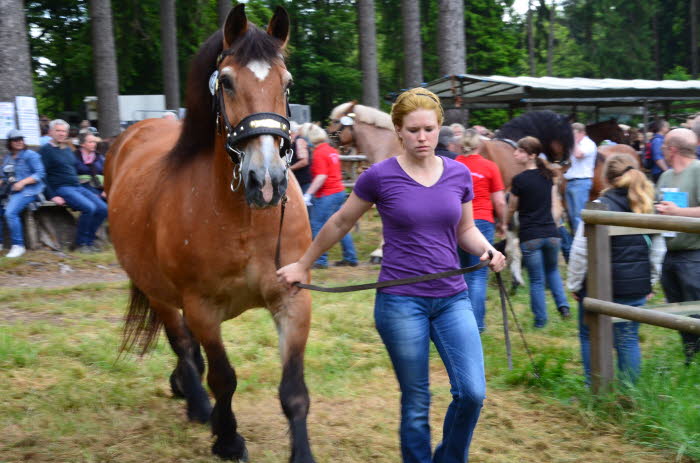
column 600, row 225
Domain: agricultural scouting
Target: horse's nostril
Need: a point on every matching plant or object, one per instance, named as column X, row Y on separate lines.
column 253, row 180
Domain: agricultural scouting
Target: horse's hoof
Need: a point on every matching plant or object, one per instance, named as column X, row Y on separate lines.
column 234, row 451
column 176, row 387
column 375, row 260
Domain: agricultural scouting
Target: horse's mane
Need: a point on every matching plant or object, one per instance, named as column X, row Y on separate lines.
column 199, row 125
column 365, row 114
column 547, row 126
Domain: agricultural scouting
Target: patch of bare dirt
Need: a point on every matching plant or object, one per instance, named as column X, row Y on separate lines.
column 45, row 269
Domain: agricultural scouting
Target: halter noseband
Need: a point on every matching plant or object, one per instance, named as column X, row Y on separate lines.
column 253, row 125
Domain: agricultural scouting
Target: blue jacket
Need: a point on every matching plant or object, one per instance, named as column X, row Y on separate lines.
column 656, row 152
column 27, row 164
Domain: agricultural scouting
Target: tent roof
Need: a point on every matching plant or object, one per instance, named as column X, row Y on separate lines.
column 472, row 91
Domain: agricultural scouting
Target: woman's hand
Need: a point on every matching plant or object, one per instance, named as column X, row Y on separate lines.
column 18, row 186
column 293, row 273
column 498, row 261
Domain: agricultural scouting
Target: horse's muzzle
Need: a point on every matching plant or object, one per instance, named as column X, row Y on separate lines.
column 265, row 190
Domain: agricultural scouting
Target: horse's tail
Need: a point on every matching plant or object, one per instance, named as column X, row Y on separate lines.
column 141, row 325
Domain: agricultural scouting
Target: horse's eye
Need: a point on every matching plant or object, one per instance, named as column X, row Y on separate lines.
column 226, row 83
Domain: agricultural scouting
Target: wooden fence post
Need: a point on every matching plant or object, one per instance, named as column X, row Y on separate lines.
column 599, row 286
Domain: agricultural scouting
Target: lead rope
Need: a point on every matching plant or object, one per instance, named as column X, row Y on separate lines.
column 433, row 276
column 504, row 298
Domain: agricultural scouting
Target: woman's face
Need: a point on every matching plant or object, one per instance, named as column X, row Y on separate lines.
column 521, row 156
column 17, row 144
column 419, row 133
column 90, row 143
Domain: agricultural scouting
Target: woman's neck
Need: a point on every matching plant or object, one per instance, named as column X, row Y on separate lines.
column 530, row 164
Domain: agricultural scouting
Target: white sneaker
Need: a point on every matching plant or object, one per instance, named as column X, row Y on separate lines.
column 16, row 250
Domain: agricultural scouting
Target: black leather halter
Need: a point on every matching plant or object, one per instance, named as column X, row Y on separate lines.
column 335, row 136
column 253, row 125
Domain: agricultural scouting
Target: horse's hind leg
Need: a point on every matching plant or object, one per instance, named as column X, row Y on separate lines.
column 205, row 326
column 186, row 379
column 293, row 326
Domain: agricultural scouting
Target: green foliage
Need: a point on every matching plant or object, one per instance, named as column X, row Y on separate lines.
column 592, row 38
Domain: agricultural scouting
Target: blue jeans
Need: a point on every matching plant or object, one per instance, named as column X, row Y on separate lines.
column 566, row 241
column 540, row 257
column 406, row 325
column 322, row 210
column 477, row 282
column 625, row 341
column 93, row 211
column 577, row 193
column 16, row 203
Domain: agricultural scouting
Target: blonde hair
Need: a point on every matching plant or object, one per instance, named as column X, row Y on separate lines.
column 622, row 171
column 412, row 100
column 470, row 141
column 314, row 133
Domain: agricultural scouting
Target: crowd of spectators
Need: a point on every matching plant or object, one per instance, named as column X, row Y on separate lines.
column 67, row 170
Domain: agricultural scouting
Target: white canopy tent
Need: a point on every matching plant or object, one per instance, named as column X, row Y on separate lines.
column 618, row 96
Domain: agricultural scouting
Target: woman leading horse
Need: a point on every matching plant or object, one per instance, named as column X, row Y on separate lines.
column 195, row 218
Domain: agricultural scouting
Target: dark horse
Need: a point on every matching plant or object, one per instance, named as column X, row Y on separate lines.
column 552, row 129
column 607, row 130
column 198, row 249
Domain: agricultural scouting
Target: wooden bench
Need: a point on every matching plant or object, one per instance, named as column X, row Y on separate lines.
column 46, row 224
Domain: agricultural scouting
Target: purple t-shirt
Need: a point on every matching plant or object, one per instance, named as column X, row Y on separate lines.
column 420, row 224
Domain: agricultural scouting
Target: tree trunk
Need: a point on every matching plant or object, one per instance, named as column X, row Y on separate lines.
column 222, row 9
column 168, row 39
column 105, row 64
column 412, row 49
column 530, row 39
column 657, row 45
column 16, row 75
column 694, row 38
column 550, row 38
column 368, row 53
column 452, row 50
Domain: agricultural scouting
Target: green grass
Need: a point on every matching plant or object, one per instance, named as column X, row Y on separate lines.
column 66, row 396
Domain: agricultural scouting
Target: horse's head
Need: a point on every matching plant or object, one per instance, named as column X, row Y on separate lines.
column 340, row 130
column 250, row 91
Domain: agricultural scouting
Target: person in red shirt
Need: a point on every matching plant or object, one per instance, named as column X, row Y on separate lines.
column 326, row 192
column 489, row 206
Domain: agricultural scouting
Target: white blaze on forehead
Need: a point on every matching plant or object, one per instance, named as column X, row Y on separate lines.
column 259, row 68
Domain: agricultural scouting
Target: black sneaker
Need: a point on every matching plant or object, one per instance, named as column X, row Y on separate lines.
column 345, row 263
column 564, row 312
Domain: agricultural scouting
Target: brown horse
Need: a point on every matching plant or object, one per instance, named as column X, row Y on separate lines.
column 368, row 129
column 607, row 130
column 200, row 250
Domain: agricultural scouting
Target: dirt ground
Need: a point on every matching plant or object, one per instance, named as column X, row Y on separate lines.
column 514, row 427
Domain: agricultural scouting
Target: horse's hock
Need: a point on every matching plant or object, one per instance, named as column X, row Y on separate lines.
column 48, row 224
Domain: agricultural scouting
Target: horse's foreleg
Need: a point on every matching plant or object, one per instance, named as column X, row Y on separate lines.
column 186, row 379
column 221, row 377
column 293, row 326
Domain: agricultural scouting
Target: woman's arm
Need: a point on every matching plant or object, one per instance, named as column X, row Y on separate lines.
column 332, row 231
column 302, row 153
column 512, row 206
column 557, row 208
column 578, row 261
column 498, row 198
column 470, row 239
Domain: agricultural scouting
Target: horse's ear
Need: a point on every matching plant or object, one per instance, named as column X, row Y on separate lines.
column 235, row 26
column 279, row 25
